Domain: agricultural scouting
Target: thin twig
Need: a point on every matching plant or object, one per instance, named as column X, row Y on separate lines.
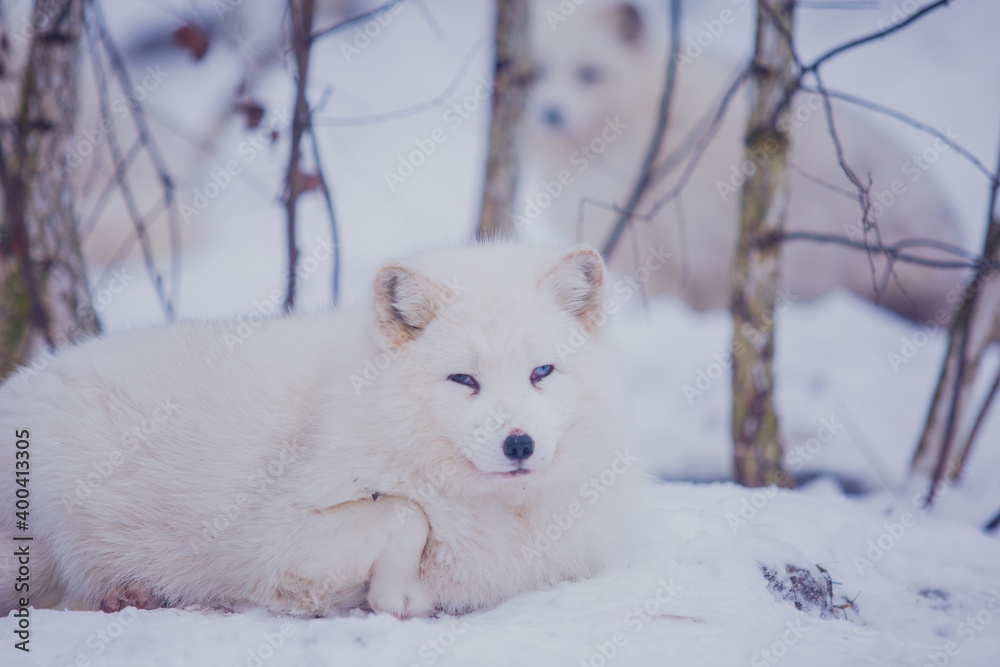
column 302, row 16
column 662, row 121
column 699, row 149
column 893, row 251
column 340, row 25
column 980, row 418
column 94, row 40
column 328, row 199
column 138, row 116
column 412, row 110
column 909, row 120
column 872, row 37
column 990, row 247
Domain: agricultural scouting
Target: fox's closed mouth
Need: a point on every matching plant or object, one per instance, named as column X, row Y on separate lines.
column 518, row 472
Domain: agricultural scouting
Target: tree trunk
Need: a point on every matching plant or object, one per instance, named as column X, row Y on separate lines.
column 511, row 77
column 44, row 298
column 757, row 443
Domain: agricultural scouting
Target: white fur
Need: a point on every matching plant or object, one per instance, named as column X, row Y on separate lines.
column 325, row 460
column 628, row 87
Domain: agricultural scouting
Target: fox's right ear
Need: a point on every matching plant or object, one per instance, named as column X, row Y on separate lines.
column 577, row 282
column 405, row 303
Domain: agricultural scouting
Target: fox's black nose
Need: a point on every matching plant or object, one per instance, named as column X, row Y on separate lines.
column 519, row 446
column 553, row 116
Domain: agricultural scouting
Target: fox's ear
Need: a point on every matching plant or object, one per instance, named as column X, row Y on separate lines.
column 578, row 282
column 627, row 20
column 405, row 303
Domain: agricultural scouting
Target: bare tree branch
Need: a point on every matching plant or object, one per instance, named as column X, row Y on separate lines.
column 916, row 16
column 660, row 131
column 138, row 116
column 357, row 18
column 302, row 18
column 121, row 177
column 909, row 120
column 405, row 112
column 328, row 200
column 961, row 363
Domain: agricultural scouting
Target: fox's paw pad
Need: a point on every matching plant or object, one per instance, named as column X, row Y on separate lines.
column 138, row 598
column 405, row 602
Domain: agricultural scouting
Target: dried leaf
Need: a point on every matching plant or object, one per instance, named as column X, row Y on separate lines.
column 307, row 182
column 252, row 111
column 193, row 39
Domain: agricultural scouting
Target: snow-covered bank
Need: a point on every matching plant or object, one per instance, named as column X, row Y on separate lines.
column 691, row 592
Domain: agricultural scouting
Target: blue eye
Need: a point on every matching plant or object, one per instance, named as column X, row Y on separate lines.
column 541, row 372
column 589, row 75
column 467, row 380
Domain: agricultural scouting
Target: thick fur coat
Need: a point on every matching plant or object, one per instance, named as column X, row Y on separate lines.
column 591, row 114
column 312, row 464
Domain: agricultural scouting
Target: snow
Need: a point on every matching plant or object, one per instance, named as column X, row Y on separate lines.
column 690, row 593
column 924, row 586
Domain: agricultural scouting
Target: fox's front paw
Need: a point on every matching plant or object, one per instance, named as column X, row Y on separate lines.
column 410, row 601
column 131, row 597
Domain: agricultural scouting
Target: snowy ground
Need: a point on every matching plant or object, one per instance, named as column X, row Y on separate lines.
column 691, row 593
column 925, row 586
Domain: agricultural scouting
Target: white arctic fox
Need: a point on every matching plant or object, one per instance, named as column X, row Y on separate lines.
column 600, row 71
column 450, row 443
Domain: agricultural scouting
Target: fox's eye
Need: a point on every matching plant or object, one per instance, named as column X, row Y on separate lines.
column 467, row 380
column 541, row 372
column 589, row 75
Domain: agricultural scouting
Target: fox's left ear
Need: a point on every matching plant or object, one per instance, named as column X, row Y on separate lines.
column 628, row 23
column 578, row 282
column 405, row 303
